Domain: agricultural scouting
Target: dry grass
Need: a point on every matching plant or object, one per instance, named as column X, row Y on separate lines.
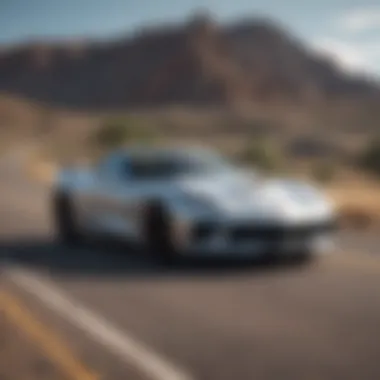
column 42, row 172
column 358, row 204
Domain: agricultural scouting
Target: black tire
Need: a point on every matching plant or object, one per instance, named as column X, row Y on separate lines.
column 302, row 257
column 306, row 257
column 158, row 234
column 66, row 227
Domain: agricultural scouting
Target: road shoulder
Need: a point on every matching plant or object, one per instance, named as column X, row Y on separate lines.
column 68, row 351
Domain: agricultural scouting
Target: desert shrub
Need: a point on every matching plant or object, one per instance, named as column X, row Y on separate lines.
column 323, row 172
column 369, row 159
column 116, row 132
column 311, row 147
column 263, row 155
column 46, row 121
column 261, row 127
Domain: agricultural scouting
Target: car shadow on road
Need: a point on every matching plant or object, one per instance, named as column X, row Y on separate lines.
column 106, row 259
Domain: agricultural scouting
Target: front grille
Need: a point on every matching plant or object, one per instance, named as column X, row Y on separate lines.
column 250, row 232
column 204, row 230
column 277, row 233
column 245, row 232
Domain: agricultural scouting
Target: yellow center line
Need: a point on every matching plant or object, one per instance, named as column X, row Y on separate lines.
column 47, row 340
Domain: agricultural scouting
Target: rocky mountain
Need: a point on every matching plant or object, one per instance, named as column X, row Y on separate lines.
column 197, row 63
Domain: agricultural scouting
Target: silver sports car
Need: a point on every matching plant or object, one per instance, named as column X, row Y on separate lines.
column 191, row 202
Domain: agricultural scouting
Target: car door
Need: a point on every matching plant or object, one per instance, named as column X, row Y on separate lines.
column 117, row 199
column 127, row 194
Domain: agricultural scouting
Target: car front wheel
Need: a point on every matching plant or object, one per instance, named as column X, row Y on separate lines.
column 63, row 215
column 159, row 234
column 302, row 257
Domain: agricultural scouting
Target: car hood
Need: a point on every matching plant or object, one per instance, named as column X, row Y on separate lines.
column 243, row 195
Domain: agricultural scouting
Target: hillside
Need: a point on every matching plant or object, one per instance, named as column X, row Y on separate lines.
column 197, row 63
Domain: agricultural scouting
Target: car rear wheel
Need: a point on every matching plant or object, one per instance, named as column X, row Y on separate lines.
column 65, row 223
column 159, row 234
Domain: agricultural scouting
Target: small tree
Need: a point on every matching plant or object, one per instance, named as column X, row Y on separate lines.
column 323, row 172
column 263, row 155
column 116, row 132
column 370, row 157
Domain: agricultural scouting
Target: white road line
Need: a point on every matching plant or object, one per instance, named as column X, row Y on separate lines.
column 116, row 341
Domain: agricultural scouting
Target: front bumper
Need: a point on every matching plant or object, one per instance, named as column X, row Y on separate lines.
column 250, row 240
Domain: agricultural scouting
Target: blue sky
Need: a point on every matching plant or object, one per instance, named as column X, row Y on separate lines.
column 349, row 30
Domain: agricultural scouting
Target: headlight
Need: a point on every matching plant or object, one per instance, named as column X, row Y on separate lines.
column 305, row 193
column 198, row 202
column 194, row 203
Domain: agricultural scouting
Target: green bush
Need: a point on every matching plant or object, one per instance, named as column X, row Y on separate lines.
column 263, row 155
column 323, row 172
column 370, row 157
column 116, row 132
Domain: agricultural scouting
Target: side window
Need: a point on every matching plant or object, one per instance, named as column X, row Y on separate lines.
column 102, row 166
column 149, row 169
column 124, row 168
column 105, row 167
column 114, row 167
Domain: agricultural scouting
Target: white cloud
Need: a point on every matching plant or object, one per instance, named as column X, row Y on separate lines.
column 351, row 57
column 359, row 19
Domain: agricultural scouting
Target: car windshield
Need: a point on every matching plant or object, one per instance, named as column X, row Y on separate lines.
column 174, row 164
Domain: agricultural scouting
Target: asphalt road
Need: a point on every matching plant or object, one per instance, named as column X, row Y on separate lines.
column 319, row 321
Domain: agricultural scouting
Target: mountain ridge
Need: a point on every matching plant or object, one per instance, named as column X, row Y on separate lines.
column 199, row 62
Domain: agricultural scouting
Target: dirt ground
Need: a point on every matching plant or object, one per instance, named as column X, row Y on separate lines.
column 20, row 359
